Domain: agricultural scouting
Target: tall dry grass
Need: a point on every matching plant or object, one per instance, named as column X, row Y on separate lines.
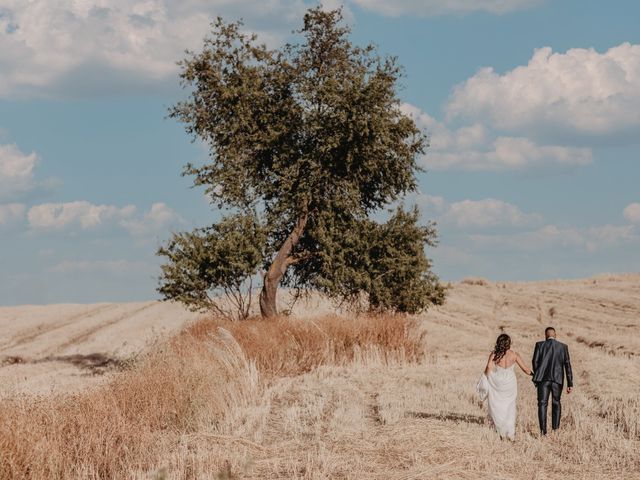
column 196, row 384
column 124, row 426
column 290, row 346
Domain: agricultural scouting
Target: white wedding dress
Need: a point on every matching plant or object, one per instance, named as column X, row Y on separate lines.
column 500, row 388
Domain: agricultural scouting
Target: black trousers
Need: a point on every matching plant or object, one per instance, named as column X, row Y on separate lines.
column 545, row 389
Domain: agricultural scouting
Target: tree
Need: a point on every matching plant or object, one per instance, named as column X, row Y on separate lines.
column 312, row 137
column 211, row 262
column 386, row 261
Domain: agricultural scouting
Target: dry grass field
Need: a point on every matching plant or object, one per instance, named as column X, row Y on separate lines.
column 351, row 398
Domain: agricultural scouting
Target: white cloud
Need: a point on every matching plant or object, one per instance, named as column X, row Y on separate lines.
column 428, row 8
column 578, row 92
column 434, row 205
column 90, row 46
column 475, row 214
column 81, row 213
column 16, row 170
column 472, row 148
column 610, row 235
column 632, row 213
column 441, row 138
column 157, row 219
column 109, row 266
column 551, row 236
column 488, row 213
column 508, row 153
column 87, row 216
column 11, row 212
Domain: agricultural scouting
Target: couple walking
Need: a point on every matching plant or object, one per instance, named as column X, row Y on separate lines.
column 498, row 382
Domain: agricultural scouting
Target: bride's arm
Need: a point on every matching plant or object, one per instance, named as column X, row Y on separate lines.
column 521, row 364
column 487, row 369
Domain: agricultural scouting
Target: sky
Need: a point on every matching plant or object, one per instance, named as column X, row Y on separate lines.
column 532, row 108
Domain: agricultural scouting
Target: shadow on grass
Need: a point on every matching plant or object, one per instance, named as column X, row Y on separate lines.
column 449, row 417
column 95, row 363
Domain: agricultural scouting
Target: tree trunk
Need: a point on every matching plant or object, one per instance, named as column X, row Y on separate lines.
column 277, row 269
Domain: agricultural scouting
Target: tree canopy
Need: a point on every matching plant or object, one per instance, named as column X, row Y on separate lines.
column 309, row 141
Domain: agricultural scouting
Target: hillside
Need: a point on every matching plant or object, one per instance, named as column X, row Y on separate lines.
column 67, row 347
column 384, row 419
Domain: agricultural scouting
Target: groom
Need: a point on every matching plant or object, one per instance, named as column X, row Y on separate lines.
column 550, row 364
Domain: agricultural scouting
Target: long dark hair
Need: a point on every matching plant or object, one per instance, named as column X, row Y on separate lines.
column 503, row 343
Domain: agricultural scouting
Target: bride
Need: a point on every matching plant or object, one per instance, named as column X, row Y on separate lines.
column 498, row 384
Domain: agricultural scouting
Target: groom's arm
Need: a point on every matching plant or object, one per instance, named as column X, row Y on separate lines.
column 535, row 361
column 567, row 367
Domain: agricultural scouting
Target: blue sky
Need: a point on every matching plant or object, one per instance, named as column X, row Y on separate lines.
column 532, row 107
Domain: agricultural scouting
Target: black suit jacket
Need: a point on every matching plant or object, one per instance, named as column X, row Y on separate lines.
column 551, row 362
